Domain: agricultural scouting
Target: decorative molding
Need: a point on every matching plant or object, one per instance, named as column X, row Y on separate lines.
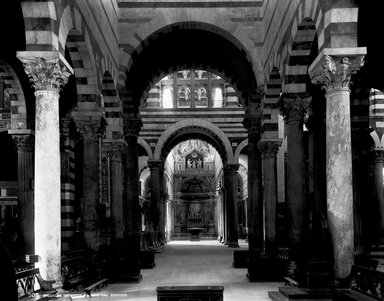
column 269, row 148
column 154, row 165
column 333, row 68
column 252, row 124
column 132, row 126
column 293, row 107
column 114, row 150
column 379, row 156
column 91, row 128
column 24, row 143
column 46, row 74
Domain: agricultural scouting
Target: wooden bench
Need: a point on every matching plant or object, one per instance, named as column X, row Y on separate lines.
column 27, row 280
column 97, row 285
column 182, row 293
column 365, row 285
column 288, row 281
column 76, row 270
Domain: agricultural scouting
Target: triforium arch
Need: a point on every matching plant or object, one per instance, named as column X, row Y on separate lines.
column 194, row 126
column 144, row 65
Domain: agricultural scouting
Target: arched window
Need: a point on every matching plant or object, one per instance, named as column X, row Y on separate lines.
column 201, row 99
column 183, row 97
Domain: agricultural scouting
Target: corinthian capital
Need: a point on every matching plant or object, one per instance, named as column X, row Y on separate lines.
column 252, row 124
column 293, row 107
column 269, row 148
column 113, row 149
column 132, row 126
column 91, row 127
column 48, row 71
column 334, row 66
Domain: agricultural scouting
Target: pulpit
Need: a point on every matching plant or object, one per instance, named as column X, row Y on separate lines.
column 194, row 234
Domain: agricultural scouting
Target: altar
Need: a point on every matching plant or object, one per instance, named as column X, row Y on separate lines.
column 195, row 233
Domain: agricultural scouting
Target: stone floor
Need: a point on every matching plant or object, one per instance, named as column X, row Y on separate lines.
column 189, row 263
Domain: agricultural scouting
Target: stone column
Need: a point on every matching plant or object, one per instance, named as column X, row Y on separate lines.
column 154, row 166
column 332, row 69
column 25, row 142
column 230, row 180
column 379, row 159
column 47, row 76
column 293, row 109
column 131, row 210
column 91, row 128
column 255, row 197
column 114, row 151
column 268, row 151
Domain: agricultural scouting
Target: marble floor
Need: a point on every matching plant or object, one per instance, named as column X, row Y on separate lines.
column 189, row 263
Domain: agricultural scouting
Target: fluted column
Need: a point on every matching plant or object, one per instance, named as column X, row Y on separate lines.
column 131, row 209
column 332, row 69
column 25, row 142
column 255, row 197
column 154, row 166
column 230, row 180
column 293, row 108
column 114, row 152
column 91, row 128
column 268, row 151
column 47, row 76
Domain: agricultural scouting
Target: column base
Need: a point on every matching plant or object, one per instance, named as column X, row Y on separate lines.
column 127, row 271
column 233, row 244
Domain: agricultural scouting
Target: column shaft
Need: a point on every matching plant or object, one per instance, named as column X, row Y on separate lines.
column 333, row 69
column 230, row 178
column 131, row 209
column 269, row 150
column 379, row 187
column 25, row 205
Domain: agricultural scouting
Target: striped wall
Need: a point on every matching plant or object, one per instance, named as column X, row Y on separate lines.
column 376, row 117
column 67, row 186
column 14, row 114
column 112, row 108
column 269, row 109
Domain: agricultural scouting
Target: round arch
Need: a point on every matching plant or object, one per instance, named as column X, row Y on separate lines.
column 223, row 57
column 146, row 146
column 208, row 127
column 239, row 148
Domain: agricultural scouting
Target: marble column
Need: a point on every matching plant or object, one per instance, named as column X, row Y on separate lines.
column 379, row 159
column 293, row 109
column 154, row 166
column 25, row 142
column 230, row 180
column 268, row 151
column 114, row 151
column 333, row 69
column 91, row 128
column 255, row 196
column 47, row 75
column 131, row 210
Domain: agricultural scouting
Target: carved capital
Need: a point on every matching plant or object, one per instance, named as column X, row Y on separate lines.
column 252, row 124
column 269, row 148
column 132, row 126
column 113, row 149
column 154, row 165
column 333, row 68
column 24, row 143
column 90, row 128
column 231, row 168
column 379, row 156
column 66, row 126
column 46, row 74
column 293, row 107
